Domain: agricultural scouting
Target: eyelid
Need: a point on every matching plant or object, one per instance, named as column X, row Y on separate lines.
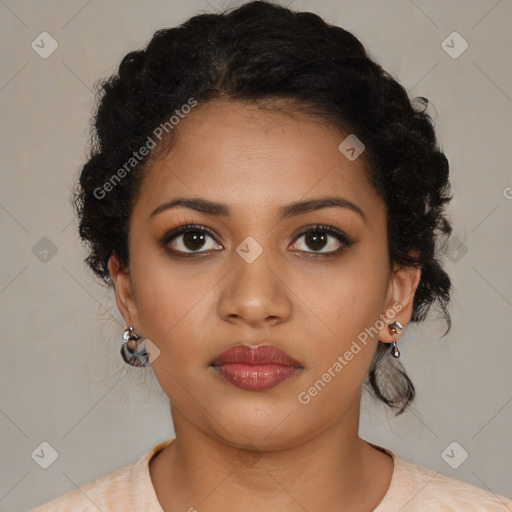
column 189, row 225
column 323, row 227
column 345, row 240
column 184, row 228
column 182, row 221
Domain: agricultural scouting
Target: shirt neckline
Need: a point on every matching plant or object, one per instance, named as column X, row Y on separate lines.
column 144, row 496
column 141, row 487
column 396, row 476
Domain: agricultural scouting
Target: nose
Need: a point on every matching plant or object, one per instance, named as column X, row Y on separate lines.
column 255, row 293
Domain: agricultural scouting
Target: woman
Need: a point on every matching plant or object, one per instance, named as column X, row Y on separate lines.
column 267, row 203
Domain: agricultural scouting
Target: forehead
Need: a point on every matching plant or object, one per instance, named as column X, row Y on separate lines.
column 254, row 159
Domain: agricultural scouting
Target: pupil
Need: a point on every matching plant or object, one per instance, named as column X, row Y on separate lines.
column 317, row 238
column 194, row 237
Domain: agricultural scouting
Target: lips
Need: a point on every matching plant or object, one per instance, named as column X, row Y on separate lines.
column 255, row 368
column 263, row 354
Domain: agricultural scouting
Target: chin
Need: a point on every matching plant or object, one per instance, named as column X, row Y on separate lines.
column 265, row 427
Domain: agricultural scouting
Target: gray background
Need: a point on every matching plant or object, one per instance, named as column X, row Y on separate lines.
column 61, row 377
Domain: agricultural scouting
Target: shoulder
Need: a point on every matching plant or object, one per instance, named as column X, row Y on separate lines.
column 108, row 493
column 417, row 488
column 128, row 489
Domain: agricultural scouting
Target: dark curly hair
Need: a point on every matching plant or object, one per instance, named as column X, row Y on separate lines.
column 268, row 55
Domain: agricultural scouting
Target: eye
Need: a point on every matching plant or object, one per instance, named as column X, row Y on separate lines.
column 189, row 239
column 317, row 238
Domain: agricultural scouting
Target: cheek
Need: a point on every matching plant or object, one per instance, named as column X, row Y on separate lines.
column 156, row 292
column 170, row 299
column 342, row 355
column 343, row 299
column 342, row 315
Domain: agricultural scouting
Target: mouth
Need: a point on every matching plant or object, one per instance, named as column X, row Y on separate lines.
column 255, row 368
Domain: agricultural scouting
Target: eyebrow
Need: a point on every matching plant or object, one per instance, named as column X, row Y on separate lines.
column 296, row 208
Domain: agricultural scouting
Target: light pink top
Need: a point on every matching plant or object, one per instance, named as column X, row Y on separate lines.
column 413, row 488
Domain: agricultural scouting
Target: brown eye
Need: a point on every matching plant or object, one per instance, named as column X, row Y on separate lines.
column 191, row 239
column 322, row 240
column 316, row 240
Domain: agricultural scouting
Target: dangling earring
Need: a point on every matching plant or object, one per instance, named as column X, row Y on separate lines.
column 133, row 351
column 393, row 330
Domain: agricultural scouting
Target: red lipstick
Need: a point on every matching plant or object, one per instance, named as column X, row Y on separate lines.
column 255, row 368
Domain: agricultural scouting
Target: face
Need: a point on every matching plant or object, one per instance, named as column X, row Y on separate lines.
column 314, row 282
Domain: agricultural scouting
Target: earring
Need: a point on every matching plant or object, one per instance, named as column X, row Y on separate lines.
column 133, row 351
column 393, row 330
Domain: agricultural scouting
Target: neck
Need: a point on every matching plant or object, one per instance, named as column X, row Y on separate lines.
column 331, row 470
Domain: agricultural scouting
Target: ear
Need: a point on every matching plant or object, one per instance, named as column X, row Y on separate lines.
column 124, row 293
column 403, row 283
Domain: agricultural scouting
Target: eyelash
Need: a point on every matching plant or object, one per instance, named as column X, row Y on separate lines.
column 342, row 237
column 316, row 228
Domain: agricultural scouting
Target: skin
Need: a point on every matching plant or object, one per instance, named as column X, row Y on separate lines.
column 310, row 456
